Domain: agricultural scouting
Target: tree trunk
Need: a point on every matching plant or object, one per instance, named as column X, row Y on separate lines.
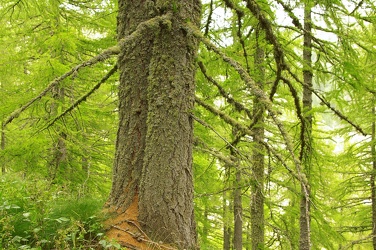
column 257, row 196
column 306, row 129
column 226, row 221
column 3, row 170
column 59, row 150
column 238, row 210
column 372, row 178
column 153, row 160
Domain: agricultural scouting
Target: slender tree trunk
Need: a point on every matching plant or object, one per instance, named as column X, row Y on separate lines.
column 248, row 245
column 205, row 229
column 238, row 210
column 3, row 170
column 226, row 222
column 257, row 196
column 153, row 160
column 306, row 129
column 373, row 174
column 59, row 149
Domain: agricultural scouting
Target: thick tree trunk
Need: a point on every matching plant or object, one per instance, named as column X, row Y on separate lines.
column 153, row 161
column 257, row 196
column 306, row 134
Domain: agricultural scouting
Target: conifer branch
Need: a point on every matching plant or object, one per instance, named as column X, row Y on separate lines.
column 240, row 14
column 295, row 96
column 228, row 160
column 228, row 119
column 262, row 97
column 128, row 42
column 252, row 5
column 359, row 241
column 270, row 36
column 208, row 21
column 99, row 58
column 291, row 14
column 212, row 129
column 82, row 98
column 238, row 106
column 280, row 159
column 324, row 101
column 339, row 114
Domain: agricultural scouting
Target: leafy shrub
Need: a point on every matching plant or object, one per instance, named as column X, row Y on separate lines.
column 37, row 215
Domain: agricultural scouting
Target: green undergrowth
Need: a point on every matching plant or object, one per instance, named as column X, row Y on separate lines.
column 35, row 214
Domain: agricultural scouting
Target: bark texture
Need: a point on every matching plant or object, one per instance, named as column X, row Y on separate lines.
column 306, row 132
column 258, row 162
column 153, row 161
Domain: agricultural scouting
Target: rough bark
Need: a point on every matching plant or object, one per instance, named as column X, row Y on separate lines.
column 257, row 196
column 153, row 160
column 306, row 129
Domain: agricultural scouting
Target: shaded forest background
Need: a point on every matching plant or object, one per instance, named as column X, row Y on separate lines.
column 285, row 110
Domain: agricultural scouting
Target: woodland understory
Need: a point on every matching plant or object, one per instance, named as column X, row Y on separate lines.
column 245, row 124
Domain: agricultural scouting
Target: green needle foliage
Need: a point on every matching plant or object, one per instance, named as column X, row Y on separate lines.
column 57, row 144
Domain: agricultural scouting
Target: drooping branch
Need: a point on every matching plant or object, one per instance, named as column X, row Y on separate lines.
column 239, row 14
column 209, row 20
column 215, row 131
column 252, row 5
column 270, row 36
column 99, row 58
column 279, row 56
column 238, row 106
column 129, row 41
column 335, row 111
column 82, row 98
column 228, row 160
column 291, row 14
column 260, row 94
column 228, row 119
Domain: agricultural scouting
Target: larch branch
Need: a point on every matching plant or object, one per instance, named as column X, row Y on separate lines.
column 82, row 98
column 99, row 58
column 128, row 42
column 261, row 95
